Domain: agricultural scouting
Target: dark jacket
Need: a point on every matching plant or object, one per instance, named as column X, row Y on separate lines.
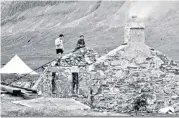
column 81, row 43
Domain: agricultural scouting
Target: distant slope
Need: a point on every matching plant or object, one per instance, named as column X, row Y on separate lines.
column 30, row 28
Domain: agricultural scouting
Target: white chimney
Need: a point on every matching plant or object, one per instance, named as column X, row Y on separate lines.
column 134, row 31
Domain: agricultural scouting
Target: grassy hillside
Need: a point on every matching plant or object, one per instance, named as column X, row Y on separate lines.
column 30, row 28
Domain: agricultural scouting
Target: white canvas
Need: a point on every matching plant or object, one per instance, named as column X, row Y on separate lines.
column 16, row 65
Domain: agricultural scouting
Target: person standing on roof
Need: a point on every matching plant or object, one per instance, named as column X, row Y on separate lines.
column 59, row 47
column 80, row 43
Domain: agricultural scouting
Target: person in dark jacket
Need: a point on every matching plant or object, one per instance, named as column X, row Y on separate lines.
column 80, row 43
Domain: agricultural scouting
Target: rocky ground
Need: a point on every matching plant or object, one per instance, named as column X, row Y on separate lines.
column 9, row 109
column 13, row 110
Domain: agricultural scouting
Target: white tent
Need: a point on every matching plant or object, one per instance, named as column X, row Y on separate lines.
column 16, row 65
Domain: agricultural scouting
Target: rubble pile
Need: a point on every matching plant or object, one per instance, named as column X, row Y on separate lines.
column 81, row 57
column 128, row 72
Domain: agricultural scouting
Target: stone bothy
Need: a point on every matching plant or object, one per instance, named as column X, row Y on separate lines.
column 132, row 70
column 117, row 78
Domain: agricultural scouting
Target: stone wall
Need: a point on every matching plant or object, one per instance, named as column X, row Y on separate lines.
column 82, row 58
column 132, row 71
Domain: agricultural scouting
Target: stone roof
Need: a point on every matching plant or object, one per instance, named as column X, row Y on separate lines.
column 81, row 57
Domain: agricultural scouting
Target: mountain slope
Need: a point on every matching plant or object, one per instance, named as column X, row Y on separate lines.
column 30, row 28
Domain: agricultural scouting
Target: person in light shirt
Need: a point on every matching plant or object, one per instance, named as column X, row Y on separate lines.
column 75, row 80
column 59, row 47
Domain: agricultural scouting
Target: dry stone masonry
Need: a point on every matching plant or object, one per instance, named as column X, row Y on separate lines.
column 119, row 79
column 133, row 70
column 82, row 58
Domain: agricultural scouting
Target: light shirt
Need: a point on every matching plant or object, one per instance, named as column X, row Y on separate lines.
column 75, row 69
column 59, row 43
